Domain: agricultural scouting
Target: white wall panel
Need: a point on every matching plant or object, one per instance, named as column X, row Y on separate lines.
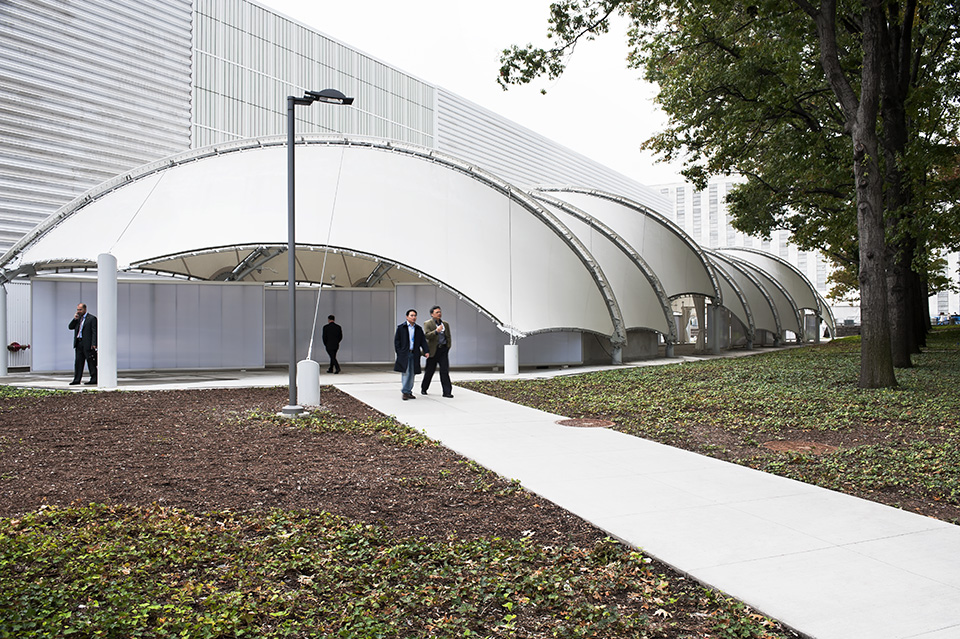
column 135, row 326
column 364, row 314
column 54, row 305
column 159, row 325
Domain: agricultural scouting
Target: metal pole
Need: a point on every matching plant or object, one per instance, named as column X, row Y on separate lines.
column 292, row 409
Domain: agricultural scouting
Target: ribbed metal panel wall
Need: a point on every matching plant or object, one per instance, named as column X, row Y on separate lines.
column 248, row 59
column 88, row 89
column 525, row 158
column 18, row 322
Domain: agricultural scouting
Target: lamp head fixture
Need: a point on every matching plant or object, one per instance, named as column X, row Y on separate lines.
column 330, row 96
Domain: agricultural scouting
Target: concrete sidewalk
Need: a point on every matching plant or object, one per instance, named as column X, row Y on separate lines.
column 828, row 565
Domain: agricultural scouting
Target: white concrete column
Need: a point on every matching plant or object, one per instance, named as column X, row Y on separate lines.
column 4, row 353
column 106, row 321
column 511, row 359
column 308, row 382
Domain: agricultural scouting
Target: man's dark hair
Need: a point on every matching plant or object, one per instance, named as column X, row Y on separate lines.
column 331, row 317
column 412, row 310
column 433, row 308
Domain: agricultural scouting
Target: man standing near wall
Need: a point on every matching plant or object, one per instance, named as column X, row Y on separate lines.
column 84, row 327
column 331, row 336
column 409, row 343
column 439, row 340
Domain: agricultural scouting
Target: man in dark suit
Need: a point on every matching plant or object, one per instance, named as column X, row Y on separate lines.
column 84, row 327
column 439, row 341
column 409, row 343
column 331, row 336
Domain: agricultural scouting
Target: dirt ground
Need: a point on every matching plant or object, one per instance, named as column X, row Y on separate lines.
column 193, row 449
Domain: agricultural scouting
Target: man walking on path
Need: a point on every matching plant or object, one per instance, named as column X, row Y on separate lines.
column 439, row 340
column 331, row 336
column 409, row 343
column 84, row 327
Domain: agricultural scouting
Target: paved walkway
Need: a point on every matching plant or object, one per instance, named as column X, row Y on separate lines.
column 826, row 564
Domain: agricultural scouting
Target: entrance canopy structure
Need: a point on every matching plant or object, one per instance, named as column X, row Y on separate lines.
column 374, row 214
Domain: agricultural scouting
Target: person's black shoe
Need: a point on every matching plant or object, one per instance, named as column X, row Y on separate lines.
column 92, row 382
column 336, row 372
column 74, row 382
column 448, row 395
column 423, row 391
column 329, row 370
column 407, row 396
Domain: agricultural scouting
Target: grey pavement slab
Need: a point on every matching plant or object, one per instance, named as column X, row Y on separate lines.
column 829, row 565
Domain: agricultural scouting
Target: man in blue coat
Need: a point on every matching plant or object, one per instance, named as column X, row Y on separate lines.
column 409, row 342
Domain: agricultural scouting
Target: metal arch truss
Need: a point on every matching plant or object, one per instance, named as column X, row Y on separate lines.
column 657, row 217
column 383, row 264
column 751, row 324
column 737, row 264
column 256, row 259
column 627, row 250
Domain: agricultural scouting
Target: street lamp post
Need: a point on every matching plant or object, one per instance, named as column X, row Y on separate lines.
column 330, row 96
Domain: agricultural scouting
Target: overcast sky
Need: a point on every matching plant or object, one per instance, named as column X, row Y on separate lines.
column 598, row 107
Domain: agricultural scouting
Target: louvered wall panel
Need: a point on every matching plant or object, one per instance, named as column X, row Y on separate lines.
column 88, row 89
column 248, row 59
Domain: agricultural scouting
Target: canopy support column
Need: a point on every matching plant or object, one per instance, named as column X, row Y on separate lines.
column 106, row 321
column 713, row 325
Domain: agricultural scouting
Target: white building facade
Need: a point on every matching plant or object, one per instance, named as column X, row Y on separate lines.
column 94, row 91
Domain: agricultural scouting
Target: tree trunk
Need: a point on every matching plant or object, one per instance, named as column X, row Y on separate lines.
column 876, row 361
column 901, row 311
column 895, row 47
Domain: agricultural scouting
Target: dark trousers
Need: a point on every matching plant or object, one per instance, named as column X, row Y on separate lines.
column 334, row 364
column 442, row 361
column 90, row 357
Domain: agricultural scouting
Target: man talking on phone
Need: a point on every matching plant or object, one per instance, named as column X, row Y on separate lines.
column 84, row 327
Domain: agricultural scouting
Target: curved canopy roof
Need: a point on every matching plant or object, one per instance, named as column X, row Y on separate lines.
column 762, row 309
column 643, row 302
column 375, row 213
column 680, row 264
column 799, row 287
column 439, row 219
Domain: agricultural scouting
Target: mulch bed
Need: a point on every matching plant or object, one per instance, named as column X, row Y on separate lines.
column 195, row 449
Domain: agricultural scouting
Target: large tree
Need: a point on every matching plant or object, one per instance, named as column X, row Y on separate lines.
column 801, row 98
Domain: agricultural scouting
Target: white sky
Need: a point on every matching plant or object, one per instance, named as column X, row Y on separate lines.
column 598, row 108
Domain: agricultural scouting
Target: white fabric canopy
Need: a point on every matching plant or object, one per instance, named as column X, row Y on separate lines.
column 679, row 263
column 429, row 214
column 374, row 213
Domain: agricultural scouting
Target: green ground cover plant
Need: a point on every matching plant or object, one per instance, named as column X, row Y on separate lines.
column 202, row 514
column 899, row 446
column 120, row 571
